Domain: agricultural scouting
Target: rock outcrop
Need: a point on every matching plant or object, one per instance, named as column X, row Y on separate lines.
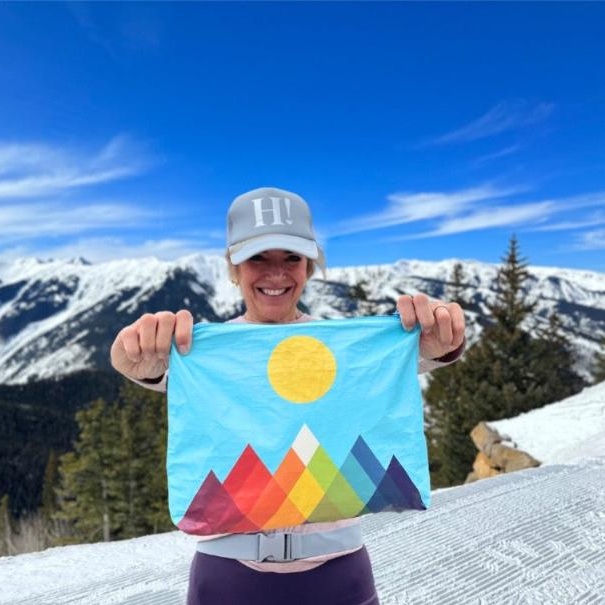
column 496, row 457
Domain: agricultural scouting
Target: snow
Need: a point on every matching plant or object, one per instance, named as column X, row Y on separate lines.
column 533, row 537
column 561, row 432
column 86, row 289
column 84, row 570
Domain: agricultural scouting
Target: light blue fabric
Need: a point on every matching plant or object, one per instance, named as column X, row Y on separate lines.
column 220, row 400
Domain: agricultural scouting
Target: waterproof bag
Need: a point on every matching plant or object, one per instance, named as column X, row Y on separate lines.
column 277, row 425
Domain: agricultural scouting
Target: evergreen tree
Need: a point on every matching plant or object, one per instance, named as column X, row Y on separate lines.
column 359, row 297
column 553, row 362
column 358, row 291
column 599, row 367
column 37, row 417
column 110, row 484
column 143, row 450
column 154, row 425
column 506, row 373
column 89, row 491
column 455, row 288
column 7, row 546
column 510, row 309
column 449, row 422
column 51, row 476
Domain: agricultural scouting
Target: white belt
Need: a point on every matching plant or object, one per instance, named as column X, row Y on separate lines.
column 283, row 547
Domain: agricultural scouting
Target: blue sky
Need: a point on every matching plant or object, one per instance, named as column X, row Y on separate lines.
column 414, row 130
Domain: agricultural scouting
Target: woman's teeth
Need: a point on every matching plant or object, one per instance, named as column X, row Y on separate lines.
column 269, row 292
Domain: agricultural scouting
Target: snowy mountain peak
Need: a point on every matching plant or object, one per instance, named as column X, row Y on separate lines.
column 57, row 317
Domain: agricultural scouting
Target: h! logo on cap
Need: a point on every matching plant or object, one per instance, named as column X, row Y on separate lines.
column 269, row 219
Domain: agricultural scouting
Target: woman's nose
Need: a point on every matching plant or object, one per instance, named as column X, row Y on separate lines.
column 276, row 269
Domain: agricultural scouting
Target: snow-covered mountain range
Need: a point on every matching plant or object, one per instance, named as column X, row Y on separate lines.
column 57, row 317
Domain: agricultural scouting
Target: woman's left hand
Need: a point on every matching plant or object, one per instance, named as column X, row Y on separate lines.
column 442, row 323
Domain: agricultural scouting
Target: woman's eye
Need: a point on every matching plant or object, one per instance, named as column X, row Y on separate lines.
column 294, row 258
column 256, row 258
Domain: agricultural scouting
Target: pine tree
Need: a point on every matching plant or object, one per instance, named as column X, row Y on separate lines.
column 143, row 446
column 510, row 309
column 506, row 373
column 51, row 476
column 154, row 423
column 455, row 288
column 358, row 291
column 88, row 489
column 113, row 485
column 449, row 422
column 552, row 365
column 361, row 304
column 7, row 546
column 599, row 367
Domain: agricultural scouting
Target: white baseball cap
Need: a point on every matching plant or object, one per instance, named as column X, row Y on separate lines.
column 270, row 219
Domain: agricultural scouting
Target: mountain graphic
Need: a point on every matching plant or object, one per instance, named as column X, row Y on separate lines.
column 307, row 487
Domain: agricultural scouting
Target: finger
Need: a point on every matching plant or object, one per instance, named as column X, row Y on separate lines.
column 424, row 313
column 458, row 324
column 147, row 327
column 407, row 313
column 183, row 331
column 129, row 340
column 164, row 332
column 443, row 321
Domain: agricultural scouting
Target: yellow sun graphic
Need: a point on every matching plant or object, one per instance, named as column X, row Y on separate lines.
column 301, row 369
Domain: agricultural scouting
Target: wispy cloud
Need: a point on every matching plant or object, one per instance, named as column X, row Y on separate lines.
column 505, row 116
column 50, row 202
column 484, row 207
column 575, row 207
column 412, row 207
column 497, row 154
column 102, row 249
column 52, row 219
column 127, row 32
column 592, row 220
column 590, row 240
column 587, row 200
column 29, row 170
column 495, row 216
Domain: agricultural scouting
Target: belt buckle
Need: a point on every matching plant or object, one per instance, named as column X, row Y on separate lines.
column 275, row 547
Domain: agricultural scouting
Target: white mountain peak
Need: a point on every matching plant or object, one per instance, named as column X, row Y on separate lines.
column 71, row 310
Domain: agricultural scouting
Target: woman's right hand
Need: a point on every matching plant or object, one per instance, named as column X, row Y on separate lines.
column 141, row 349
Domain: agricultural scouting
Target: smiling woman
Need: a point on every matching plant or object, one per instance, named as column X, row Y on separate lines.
column 271, row 242
column 272, row 251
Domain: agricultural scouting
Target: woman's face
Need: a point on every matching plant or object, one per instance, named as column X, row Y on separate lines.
column 271, row 283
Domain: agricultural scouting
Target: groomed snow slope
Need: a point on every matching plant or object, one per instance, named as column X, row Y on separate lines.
column 532, row 537
column 561, row 432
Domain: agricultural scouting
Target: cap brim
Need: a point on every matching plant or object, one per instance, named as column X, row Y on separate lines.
column 242, row 251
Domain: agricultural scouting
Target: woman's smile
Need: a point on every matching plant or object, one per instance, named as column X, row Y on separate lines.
column 273, row 292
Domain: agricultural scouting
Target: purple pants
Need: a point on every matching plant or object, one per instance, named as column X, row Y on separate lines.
column 346, row 580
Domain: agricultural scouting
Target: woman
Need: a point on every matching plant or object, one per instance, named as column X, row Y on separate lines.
column 272, row 252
